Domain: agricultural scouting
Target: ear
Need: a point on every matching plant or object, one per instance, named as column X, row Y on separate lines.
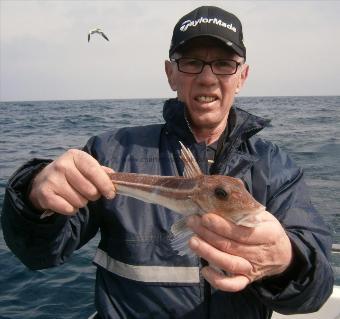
column 243, row 77
column 170, row 73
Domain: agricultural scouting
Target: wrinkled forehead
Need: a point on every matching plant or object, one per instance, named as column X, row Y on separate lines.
column 206, row 43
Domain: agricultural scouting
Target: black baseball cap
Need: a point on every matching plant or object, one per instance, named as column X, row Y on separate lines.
column 209, row 21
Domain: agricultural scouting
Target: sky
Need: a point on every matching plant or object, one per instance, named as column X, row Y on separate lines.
column 293, row 48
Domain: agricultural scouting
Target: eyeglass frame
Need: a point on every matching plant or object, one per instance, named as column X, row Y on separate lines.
column 204, row 64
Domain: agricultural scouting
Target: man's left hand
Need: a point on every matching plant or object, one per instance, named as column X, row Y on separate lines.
column 245, row 253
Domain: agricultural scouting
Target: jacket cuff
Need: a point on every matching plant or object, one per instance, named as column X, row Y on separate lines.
column 18, row 189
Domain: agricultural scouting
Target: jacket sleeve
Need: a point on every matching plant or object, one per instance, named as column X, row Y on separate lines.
column 307, row 284
column 41, row 243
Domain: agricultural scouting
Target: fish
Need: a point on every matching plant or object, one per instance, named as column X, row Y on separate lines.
column 194, row 193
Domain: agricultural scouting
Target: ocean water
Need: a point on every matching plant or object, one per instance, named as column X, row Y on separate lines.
column 307, row 127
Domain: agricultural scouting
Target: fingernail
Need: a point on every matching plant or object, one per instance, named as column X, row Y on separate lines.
column 111, row 194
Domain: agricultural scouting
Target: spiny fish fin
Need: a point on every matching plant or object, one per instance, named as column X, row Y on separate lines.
column 191, row 168
column 179, row 238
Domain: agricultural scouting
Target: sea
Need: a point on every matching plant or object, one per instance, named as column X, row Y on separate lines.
column 308, row 128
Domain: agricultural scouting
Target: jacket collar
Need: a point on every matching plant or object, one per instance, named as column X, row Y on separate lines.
column 241, row 124
column 174, row 116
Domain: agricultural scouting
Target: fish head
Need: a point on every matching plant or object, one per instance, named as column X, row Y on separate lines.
column 228, row 197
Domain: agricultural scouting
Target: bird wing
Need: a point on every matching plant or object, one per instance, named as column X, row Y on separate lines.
column 88, row 37
column 104, row 36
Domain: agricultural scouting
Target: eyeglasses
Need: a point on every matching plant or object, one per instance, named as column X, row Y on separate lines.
column 195, row 66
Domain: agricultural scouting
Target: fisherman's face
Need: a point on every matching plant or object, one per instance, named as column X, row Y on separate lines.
column 208, row 97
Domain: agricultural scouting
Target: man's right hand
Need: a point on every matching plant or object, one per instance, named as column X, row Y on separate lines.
column 69, row 182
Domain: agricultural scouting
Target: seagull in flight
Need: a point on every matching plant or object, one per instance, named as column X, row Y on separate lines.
column 98, row 31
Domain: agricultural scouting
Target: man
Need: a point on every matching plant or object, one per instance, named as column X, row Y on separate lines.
column 274, row 266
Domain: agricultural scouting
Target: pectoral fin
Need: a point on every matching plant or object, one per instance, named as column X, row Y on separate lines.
column 179, row 238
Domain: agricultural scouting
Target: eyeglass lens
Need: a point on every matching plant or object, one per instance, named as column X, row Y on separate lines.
column 195, row 66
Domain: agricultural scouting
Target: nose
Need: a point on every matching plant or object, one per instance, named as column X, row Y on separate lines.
column 207, row 77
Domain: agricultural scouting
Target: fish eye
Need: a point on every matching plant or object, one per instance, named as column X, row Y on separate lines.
column 221, row 193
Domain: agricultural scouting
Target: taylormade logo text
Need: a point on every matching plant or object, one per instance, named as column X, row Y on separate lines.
column 193, row 23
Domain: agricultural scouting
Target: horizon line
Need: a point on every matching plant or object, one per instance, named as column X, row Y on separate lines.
column 165, row 98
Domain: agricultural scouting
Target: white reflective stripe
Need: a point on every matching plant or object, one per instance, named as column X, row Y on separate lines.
column 92, row 316
column 166, row 274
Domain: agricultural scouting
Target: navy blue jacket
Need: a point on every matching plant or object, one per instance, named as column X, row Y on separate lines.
column 138, row 273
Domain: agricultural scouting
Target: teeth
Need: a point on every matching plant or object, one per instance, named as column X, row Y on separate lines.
column 206, row 99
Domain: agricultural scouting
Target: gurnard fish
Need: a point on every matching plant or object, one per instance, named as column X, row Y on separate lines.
column 192, row 194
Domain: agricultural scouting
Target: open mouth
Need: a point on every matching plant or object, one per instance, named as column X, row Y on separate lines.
column 205, row 99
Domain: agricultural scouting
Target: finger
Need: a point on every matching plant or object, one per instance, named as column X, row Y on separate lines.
column 223, row 282
column 108, row 170
column 63, row 199
column 222, row 243
column 252, row 235
column 227, row 262
column 59, row 205
column 91, row 169
column 217, row 225
column 51, row 198
column 82, row 184
column 72, row 196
